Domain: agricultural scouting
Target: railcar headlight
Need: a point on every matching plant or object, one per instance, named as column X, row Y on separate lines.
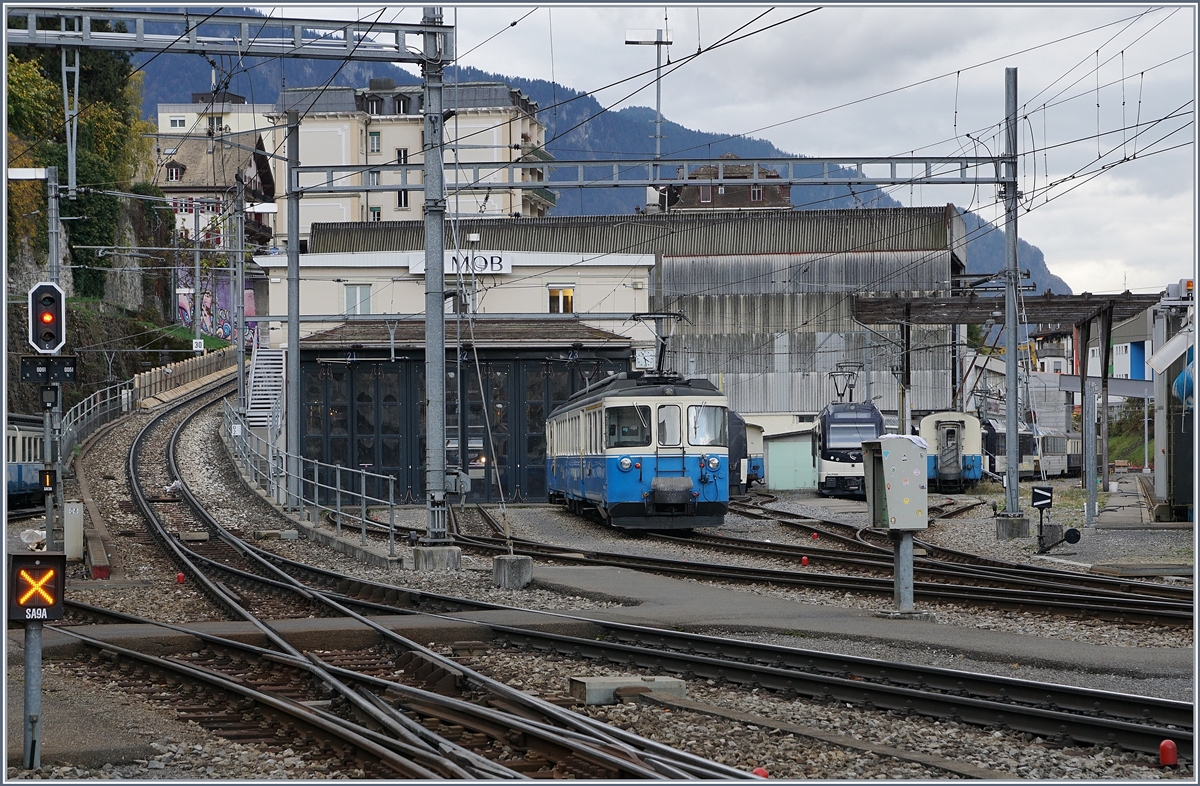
column 714, row 463
column 625, row 463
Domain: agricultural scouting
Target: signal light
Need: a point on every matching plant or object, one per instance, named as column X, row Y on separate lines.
column 47, row 312
column 36, row 586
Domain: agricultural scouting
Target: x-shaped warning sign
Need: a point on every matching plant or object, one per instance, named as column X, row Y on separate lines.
column 36, row 587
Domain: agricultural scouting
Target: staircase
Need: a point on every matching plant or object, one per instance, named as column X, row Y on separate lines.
column 265, row 389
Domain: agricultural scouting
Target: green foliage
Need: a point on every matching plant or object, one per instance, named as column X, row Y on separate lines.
column 974, row 336
column 98, row 216
column 34, row 102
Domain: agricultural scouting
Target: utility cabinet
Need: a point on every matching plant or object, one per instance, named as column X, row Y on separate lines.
column 896, row 479
column 73, row 529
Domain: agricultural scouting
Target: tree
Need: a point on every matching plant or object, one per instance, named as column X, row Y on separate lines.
column 34, row 102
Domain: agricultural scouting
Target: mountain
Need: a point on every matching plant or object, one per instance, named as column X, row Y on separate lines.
column 578, row 127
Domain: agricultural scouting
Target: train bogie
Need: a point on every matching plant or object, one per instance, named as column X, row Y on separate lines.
column 645, row 451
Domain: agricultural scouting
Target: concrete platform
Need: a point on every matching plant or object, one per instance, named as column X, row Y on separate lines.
column 1129, row 508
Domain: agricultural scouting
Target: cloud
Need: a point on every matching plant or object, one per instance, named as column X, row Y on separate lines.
column 785, row 86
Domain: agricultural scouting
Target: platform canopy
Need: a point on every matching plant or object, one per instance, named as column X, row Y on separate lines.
column 976, row 309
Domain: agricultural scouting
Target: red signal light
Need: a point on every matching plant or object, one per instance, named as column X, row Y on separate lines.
column 47, row 317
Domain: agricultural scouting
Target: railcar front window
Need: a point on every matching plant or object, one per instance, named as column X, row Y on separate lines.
column 669, row 433
column 843, row 436
column 708, row 426
column 627, row 427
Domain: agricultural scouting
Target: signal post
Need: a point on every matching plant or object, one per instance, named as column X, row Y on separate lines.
column 35, row 596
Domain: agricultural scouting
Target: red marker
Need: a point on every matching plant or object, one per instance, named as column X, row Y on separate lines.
column 178, row 578
column 760, row 772
column 804, row 561
column 1168, row 754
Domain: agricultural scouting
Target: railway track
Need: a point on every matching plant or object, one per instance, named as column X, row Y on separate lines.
column 1060, row 714
column 1051, row 596
column 873, row 542
column 438, row 700
column 367, row 707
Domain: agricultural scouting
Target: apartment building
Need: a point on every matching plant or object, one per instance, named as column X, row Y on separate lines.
column 383, row 124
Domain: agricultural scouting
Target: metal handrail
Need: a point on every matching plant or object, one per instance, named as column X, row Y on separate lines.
column 319, row 485
column 101, row 407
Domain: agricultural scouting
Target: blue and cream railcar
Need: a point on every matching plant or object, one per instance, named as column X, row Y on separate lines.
column 645, row 450
column 23, row 460
column 841, row 429
column 995, row 448
column 955, row 448
column 1051, row 459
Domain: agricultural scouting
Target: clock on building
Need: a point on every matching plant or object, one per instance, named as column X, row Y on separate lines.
column 643, row 358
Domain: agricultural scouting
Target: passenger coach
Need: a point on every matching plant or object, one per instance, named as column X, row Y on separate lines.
column 645, row 450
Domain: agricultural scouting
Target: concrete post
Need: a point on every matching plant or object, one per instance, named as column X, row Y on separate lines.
column 338, row 516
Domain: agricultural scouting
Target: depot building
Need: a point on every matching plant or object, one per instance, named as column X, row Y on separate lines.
column 539, row 307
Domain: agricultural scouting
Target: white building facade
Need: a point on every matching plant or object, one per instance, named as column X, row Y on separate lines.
column 383, row 124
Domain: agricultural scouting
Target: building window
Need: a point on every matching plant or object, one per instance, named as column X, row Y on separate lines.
column 402, row 200
column 706, row 193
column 358, row 298
column 173, row 174
column 373, row 139
column 402, row 155
column 177, row 122
column 756, row 193
column 376, row 214
column 214, row 122
column 399, row 105
column 373, row 178
column 562, row 300
column 374, row 106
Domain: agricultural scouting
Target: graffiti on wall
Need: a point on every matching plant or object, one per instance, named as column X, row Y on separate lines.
column 217, row 314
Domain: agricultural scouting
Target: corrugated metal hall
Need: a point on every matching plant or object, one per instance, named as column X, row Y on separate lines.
column 766, row 296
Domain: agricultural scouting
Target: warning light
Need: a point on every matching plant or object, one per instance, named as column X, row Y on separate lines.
column 36, row 586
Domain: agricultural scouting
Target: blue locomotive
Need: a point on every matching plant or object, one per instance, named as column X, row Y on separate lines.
column 22, row 460
column 645, row 450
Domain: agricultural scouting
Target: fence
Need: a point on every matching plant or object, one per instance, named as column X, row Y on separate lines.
column 169, row 377
column 103, row 406
column 322, row 487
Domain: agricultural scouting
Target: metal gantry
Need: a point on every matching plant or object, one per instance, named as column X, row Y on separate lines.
column 861, row 171
column 209, row 34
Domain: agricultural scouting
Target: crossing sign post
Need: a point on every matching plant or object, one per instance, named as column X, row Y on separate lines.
column 36, row 581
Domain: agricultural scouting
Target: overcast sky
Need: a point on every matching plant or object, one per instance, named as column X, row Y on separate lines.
column 1082, row 71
